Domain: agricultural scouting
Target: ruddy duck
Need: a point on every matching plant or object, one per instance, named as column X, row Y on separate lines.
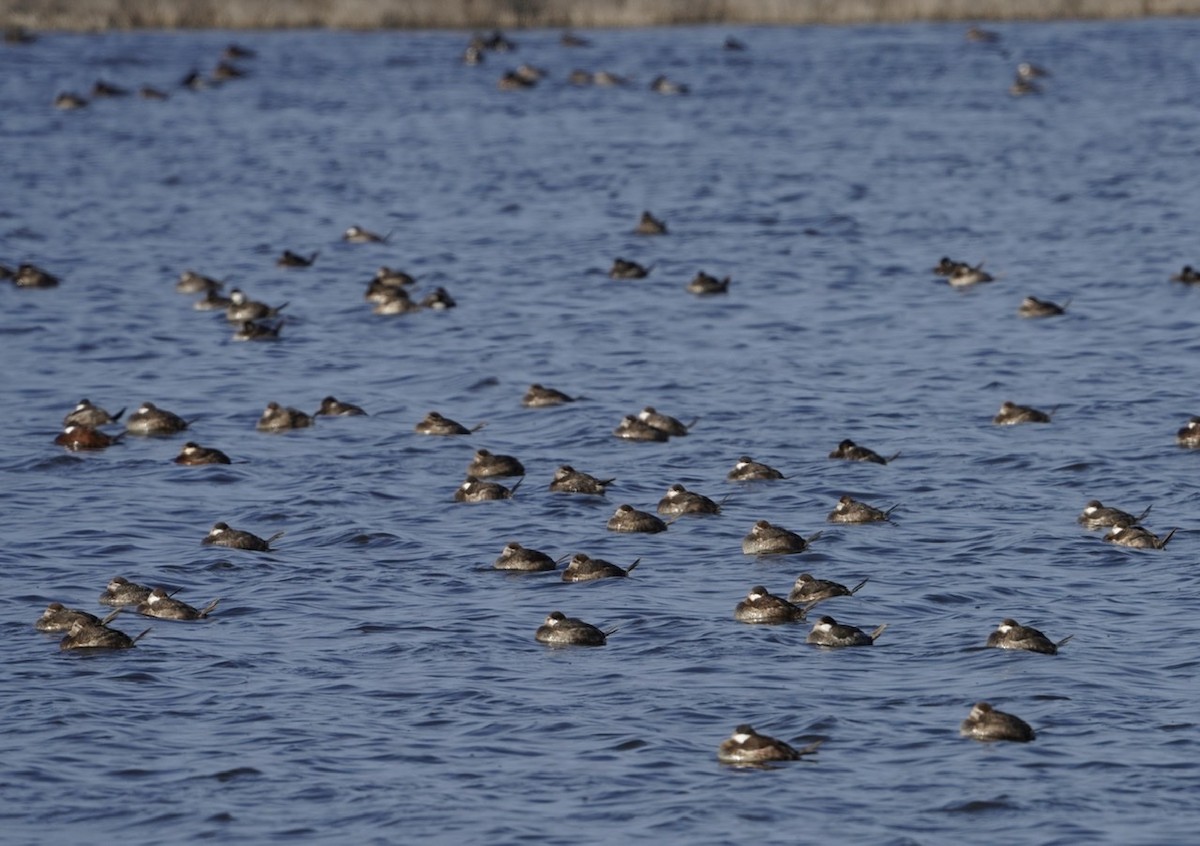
column 242, row 308
column 584, row 568
column 982, row 35
column 1033, row 307
column 160, row 604
column 149, row 419
column 439, row 300
column 850, row 451
column 193, row 454
column 517, row 557
column 1028, row 70
column 702, row 284
column 1189, row 435
column 561, row 630
column 570, row 39
column 662, row 85
column 1137, row 537
column 623, row 269
column 106, row 89
column 747, row 747
column 1187, row 275
column 964, row 275
column 946, row 266
column 191, row 282
column 58, row 618
column 650, row 225
column 473, row 490
column 222, row 535
column 1022, row 87
column 87, row 414
column 767, row 539
column 212, row 301
column 514, row 81
column 1096, row 516
column 18, row 35
column 290, row 259
column 85, row 437
column 225, row 71
column 679, row 500
column 732, row 43
column 435, row 424
column 32, row 276
column 761, row 606
column 850, row 510
column 253, row 330
column 986, row 723
column 629, row 519
column 829, row 632
column 121, row 591
column 357, row 234
column 331, row 407
column 393, row 278
column 606, row 79
column 632, row 429
column 193, row 80
column 569, row 480
column 69, row 100
column 1010, row 414
column 1012, row 635
column 83, row 635
column 539, row 396
column 233, row 52
column 486, row 464
column 664, row 422
column 394, row 301
column 276, row 418
column 530, row 73
column 809, row 591
column 749, row 470
column 580, row 77
column 473, row 55
column 149, row 92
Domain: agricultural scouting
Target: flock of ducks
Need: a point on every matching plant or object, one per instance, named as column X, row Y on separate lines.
column 389, row 291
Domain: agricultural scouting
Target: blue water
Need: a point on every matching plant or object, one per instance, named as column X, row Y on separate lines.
column 373, row 680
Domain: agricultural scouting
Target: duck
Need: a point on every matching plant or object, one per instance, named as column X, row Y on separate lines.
column 59, row 618
column 964, row 275
column 69, row 101
column 1188, row 275
column 32, row 276
column 101, row 89
column 679, row 500
column 761, row 606
column 149, row 419
column 632, row 429
column 746, row 747
column 523, row 559
column 486, row 464
column 809, row 590
column 847, row 450
column 623, row 269
column 1011, row 414
column 212, row 301
column 662, row 85
column 986, row 723
column 149, row 92
column 986, row 36
column 438, row 299
column 1096, row 515
column 161, row 605
column 1012, row 635
column 241, row 308
column 569, row 480
column 628, row 519
column 473, row 490
column 276, row 418
column 253, row 330
column 1033, row 307
column 829, row 632
column 766, row 538
column 664, row 422
column 1137, row 537
column 193, row 454
column 191, row 282
column 648, row 224
column 514, row 81
column 333, row 407
column 561, row 630
column 703, row 284
column 393, row 301
column 435, row 424
column 539, row 396
column 120, row 591
column 289, row 259
column 78, row 437
column 83, row 635
column 358, row 235
column 850, row 510
column 1189, row 435
column 748, row 470
column 584, row 568
column 222, row 535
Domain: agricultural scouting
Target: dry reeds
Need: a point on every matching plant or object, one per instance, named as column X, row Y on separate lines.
column 88, row 15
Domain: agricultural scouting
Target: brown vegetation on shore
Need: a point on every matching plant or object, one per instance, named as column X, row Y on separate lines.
column 88, row 15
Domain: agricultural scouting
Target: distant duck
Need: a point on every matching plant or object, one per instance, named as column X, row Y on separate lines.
column 18, row 35
column 606, row 80
column 86, row 414
column 808, row 590
column 978, row 34
column 584, row 568
column 850, row 510
column 149, row 419
column 964, row 275
column 1011, row 414
column 1012, row 635
column 439, row 300
column 32, row 276
column 1033, row 307
column 225, row 71
column 277, row 418
column 662, row 85
column 289, row 259
column 194, row 81
column 1096, row 516
column 1187, row 275
column 561, row 630
column 486, row 464
column 570, row 39
column 79, row 437
column 679, row 500
column 650, row 225
column 703, row 284
column 632, row 429
column 392, row 301
column 193, row 454
column 748, row 470
column 236, row 52
column 333, row 407
column 435, row 424
column 746, row 747
column 522, row 559
column 829, row 632
column 1189, row 435
column 629, row 519
column 664, row 422
column 358, row 235
column 242, row 308
column 68, row 101
column 58, row 618
column 212, row 301
column 254, row 330
column 761, row 606
column 734, row 44
column 1022, row 87
column 84, row 635
column 191, row 282
column 947, row 266
column 539, row 396
column 569, row 480
column 847, row 450
column 473, row 55
column 765, row 538
column 102, row 89
column 121, row 592
column 986, row 723
column 1028, row 70
column 1137, row 537
column 222, row 535
column 393, row 278
column 161, row 605
column 623, row 269
column 474, row 490
column 530, row 73
column 513, row 81
column 149, row 92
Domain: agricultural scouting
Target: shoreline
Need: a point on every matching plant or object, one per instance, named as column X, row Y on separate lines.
column 99, row 15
